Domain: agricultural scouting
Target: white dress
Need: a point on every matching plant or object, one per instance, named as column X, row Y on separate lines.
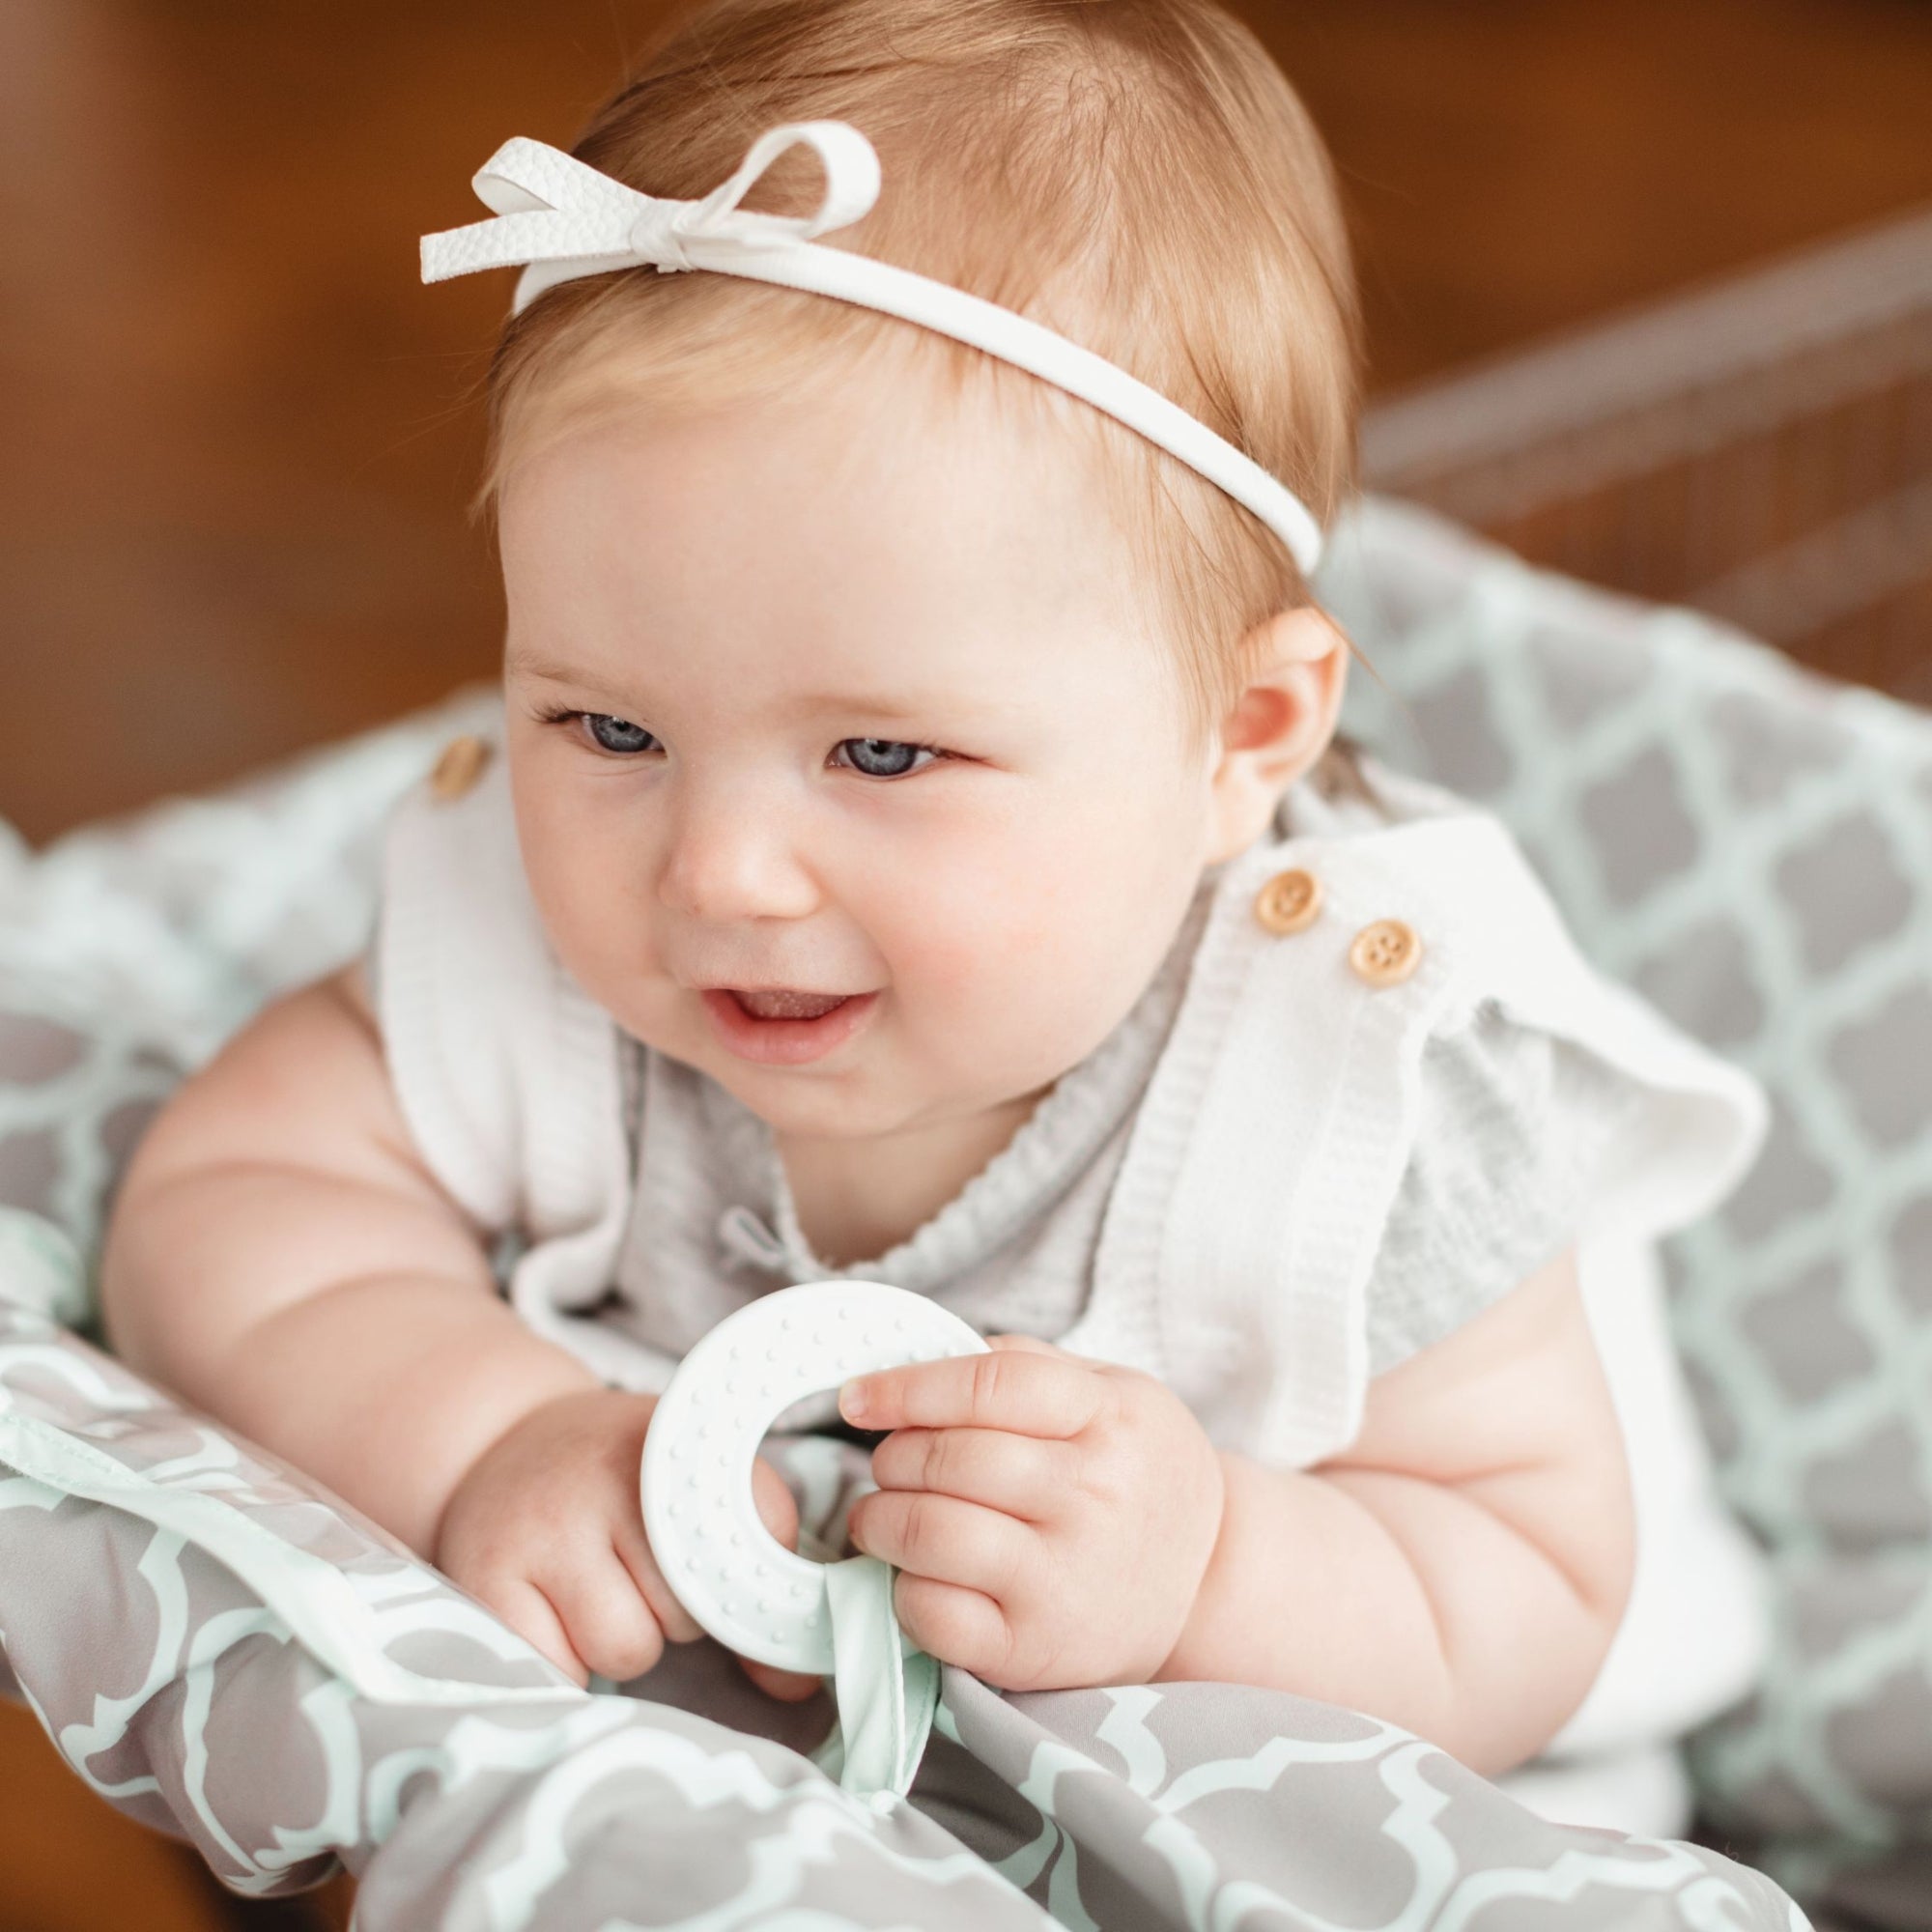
column 1302, row 1155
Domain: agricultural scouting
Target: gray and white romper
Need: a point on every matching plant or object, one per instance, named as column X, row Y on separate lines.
column 1316, row 1143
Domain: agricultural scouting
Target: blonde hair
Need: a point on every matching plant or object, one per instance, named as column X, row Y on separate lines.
column 1136, row 174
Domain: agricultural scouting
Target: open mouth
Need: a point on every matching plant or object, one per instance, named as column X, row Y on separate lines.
column 783, row 1004
column 781, row 1026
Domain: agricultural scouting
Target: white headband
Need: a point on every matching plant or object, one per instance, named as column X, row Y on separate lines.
column 563, row 219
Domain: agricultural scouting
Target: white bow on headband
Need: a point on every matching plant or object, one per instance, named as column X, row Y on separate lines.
column 562, row 220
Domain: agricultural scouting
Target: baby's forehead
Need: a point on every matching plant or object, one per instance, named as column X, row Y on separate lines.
column 817, row 617
column 900, row 486
column 914, row 548
column 913, row 403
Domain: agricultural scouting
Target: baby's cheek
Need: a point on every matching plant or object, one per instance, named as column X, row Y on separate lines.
column 1042, row 888
column 1016, row 987
column 976, row 940
column 593, row 894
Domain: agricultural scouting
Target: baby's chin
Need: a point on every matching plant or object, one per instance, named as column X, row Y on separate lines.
column 871, row 1088
column 868, row 1097
column 818, row 1110
column 823, row 1106
column 848, row 1095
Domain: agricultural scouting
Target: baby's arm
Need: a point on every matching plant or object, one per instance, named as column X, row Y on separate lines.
column 1460, row 1571
column 1462, row 1567
column 281, row 1257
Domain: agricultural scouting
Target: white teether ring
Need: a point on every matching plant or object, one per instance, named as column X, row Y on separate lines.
column 749, row 1591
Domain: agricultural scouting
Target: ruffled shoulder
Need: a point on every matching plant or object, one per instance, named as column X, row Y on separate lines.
column 507, row 1074
column 1514, row 1127
column 1385, row 998
column 1527, row 1043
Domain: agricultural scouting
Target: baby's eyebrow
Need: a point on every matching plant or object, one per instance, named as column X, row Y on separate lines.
column 871, row 703
column 553, row 669
column 865, row 703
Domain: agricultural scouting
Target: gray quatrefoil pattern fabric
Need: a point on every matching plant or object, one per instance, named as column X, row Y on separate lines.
column 472, row 1789
column 1752, row 848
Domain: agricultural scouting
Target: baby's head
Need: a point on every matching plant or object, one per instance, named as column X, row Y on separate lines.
column 847, row 659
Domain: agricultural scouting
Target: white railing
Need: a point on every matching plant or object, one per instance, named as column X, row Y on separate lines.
column 1761, row 449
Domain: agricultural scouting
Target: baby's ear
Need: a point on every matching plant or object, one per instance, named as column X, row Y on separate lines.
column 1280, row 723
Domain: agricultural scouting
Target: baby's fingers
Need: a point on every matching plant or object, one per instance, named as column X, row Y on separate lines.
column 779, row 1508
column 777, row 1504
column 1028, row 1391
column 527, row 1612
column 944, row 1539
column 955, row 1625
column 676, row 1623
column 788, row 1686
column 1019, row 1475
column 609, row 1623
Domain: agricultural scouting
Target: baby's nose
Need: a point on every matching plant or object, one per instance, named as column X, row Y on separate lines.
column 735, row 859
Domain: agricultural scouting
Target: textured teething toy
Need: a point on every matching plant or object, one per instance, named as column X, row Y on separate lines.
column 720, row 1562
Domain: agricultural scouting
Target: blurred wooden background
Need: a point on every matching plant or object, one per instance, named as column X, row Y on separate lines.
column 239, row 434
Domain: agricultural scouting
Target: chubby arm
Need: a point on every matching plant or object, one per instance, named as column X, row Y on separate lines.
column 1462, row 1568
column 1460, row 1571
column 281, row 1257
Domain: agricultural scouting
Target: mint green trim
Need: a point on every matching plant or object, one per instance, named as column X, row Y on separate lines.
column 887, row 1691
column 315, row 1600
column 40, row 1268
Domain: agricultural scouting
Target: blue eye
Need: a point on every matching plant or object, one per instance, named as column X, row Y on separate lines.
column 616, row 734
column 883, row 757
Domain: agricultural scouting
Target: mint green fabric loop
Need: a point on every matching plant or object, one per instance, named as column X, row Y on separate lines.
column 885, row 1691
column 40, row 1268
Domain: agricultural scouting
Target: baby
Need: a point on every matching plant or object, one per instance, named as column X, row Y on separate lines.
column 918, row 847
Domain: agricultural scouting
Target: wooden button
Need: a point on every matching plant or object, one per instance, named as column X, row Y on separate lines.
column 459, row 767
column 1387, row 952
column 1288, row 901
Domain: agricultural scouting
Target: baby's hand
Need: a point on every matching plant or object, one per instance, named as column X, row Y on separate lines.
column 1052, row 1516
column 546, row 1528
